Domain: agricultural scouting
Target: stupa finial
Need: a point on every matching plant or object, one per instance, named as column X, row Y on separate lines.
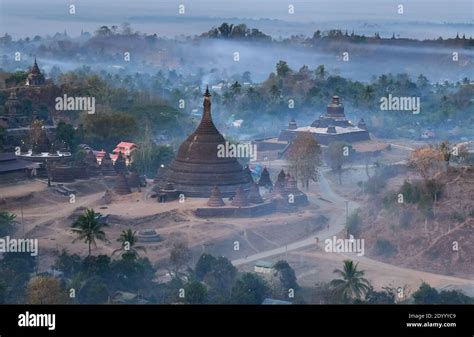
column 207, row 93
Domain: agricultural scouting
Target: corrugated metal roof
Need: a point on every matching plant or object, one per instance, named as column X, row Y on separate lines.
column 273, row 301
column 264, row 264
column 7, row 156
column 8, row 165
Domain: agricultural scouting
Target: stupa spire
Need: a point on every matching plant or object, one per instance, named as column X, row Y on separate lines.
column 206, row 125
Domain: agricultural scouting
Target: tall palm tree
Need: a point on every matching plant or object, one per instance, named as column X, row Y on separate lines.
column 352, row 284
column 128, row 239
column 88, row 227
column 6, row 223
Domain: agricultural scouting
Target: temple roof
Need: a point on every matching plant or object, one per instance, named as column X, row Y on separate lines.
column 197, row 168
column 9, row 162
column 35, row 69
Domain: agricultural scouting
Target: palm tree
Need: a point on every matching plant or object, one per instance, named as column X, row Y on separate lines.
column 128, row 239
column 6, row 223
column 88, row 227
column 352, row 284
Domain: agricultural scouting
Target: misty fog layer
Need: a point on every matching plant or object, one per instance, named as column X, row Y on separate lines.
column 421, row 18
column 216, row 59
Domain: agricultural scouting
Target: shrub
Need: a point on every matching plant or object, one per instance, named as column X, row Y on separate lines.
column 385, row 248
column 471, row 213
column 456, row 216
column 353, row 224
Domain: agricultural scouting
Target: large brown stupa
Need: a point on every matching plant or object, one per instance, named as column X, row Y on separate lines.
column 197, row 168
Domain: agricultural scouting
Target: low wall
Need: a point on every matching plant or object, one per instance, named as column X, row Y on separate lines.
column 224, row 212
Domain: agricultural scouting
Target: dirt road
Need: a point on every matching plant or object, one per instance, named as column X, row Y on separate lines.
column 380, row 273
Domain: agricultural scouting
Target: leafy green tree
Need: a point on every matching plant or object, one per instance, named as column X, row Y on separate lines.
column 93, row 291
column 378, row 297
column 105, row 130
column 304, row 157
column 204, row 265
column 429, row 295
column 66, row 133
column 148, row 157
column 179, row 257
column 132, row 273
column 217, row 273
column 454, row 297
column 249, row 289
column 352, row 285
column 96, row 265
column 69, row 264
column 353, row 224
column 384, row 248
column 88, row 227
column 103, row 31
column 282, row 68
column 426, row 294
column 15, row 271
column 195, row 293
column 17, row 78
column 337, row 155
column 286, row 275
column 225, row 30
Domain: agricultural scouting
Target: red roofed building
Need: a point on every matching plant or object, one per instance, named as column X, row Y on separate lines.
column 99, row 155
column 125, row 149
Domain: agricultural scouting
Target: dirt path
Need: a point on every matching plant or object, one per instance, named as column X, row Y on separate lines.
column 380, row 273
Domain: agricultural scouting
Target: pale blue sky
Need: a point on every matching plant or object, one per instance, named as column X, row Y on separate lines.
column 29, row 17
